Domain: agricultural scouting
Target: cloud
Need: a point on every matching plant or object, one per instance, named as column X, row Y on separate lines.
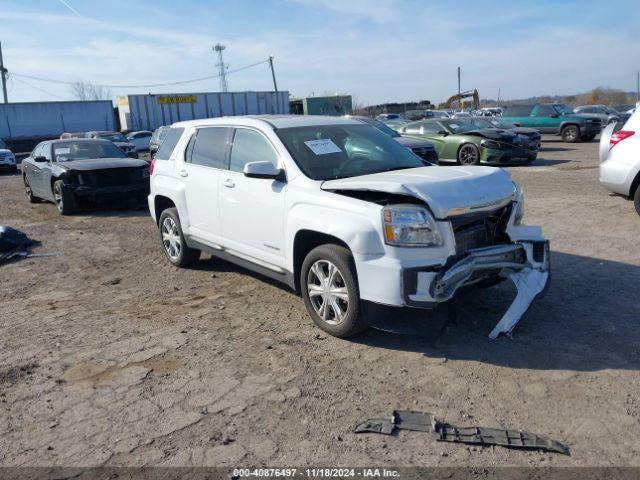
column 379, row 11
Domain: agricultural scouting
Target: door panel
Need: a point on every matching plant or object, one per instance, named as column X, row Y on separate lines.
column 252, row 209
column 205, row 156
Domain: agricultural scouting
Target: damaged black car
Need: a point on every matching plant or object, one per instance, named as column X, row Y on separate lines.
column 76, row 171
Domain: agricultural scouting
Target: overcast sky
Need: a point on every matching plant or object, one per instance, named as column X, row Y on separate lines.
column 377, row 50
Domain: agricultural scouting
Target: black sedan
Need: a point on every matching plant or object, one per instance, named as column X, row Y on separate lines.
column 423, row 148
column 528, row 136
column 68, row 172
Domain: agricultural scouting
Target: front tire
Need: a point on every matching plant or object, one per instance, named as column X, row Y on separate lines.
column 173, row 244
column 468, row 154
column 64, row 200
column 570, row 134
column 636, row 200
column 588, row 138
column 330, row 291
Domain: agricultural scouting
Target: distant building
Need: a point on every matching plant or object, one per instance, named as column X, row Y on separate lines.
column 335, row 105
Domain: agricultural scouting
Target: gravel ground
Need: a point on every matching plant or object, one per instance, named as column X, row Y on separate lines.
column 109, row 356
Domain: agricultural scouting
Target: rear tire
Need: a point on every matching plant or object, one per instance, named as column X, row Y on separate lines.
column 330, row 291
column 588, row 138
column 570, row 134
column 172, row 239
column 27, row 190
column 636, row 199
column 64, row 201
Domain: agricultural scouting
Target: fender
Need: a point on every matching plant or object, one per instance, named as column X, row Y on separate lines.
column 357, row 230
column 173, row 189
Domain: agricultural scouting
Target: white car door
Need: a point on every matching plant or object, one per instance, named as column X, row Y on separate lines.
column 205, row 157
column 252, row 209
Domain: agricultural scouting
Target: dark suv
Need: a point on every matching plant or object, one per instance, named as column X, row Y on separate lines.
column 554, row 118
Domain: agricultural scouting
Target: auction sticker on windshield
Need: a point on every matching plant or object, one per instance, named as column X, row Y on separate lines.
column 323, row 146
column 62, row 151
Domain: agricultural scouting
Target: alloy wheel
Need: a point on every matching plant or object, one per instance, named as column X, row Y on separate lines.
column 328, row 292
column 57, row 196
column 468, row 155
column 171, row 238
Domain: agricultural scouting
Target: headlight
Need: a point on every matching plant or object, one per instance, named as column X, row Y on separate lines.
column 518, row 205
column 491, row 144
column 409, row 226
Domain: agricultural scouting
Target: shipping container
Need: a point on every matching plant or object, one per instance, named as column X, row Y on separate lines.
column 148, row 112
column 43, row 120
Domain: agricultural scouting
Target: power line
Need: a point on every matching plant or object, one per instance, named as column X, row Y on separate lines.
column 34, row 87
column 166, row 84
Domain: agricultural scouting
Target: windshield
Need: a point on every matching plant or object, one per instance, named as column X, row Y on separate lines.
column 458, row 125
column 67, row 151
column 114, row 137
column 326, row 152
column 563, row 109
column 381, row 126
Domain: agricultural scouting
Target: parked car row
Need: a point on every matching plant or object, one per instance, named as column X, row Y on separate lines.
column 131, row 144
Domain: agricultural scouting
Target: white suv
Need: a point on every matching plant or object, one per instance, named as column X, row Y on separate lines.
column 620, row 159
column 343, row 214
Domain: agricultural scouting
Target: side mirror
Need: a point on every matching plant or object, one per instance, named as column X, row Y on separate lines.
column 443, row 132
column 40, row 159
column 263, row 170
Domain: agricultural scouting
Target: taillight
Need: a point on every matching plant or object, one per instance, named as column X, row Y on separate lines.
column 153, row 164
column 619, row 136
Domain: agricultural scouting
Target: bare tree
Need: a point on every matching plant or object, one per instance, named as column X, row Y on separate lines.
column 89, row 91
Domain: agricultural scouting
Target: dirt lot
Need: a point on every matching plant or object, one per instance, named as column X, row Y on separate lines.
column 109, row 356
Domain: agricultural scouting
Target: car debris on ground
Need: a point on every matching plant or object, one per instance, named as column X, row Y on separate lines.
column 14, row 243
column 445, row 432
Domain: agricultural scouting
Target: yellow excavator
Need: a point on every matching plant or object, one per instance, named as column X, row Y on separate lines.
column 458, row 97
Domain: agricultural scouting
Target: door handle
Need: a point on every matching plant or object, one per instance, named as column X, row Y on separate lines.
column 183, row 173
column 229, row 183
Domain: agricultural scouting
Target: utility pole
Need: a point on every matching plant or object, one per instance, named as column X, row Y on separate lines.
column 273, row 73
column 459, row 99
column 222, row 68
column 3, row 76
column 637, row 84
column 498, row 97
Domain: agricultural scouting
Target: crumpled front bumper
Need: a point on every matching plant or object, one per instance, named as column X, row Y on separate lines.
column 526, row 263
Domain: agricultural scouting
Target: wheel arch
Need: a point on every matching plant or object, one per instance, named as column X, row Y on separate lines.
column 160, row 204
column 634, row 185
column 306, row 240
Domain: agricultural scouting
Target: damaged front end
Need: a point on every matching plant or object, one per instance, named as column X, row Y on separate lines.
column 526, row 263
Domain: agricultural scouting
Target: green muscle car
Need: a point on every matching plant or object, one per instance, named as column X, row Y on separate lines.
column 459, row 141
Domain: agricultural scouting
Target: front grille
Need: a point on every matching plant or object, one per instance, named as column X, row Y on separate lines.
column 111, row 178
column 428, row 154
column 482, row 229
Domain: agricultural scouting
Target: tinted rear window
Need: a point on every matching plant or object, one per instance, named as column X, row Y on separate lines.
column 518, row 111
column 169, row 143
column 208, row 147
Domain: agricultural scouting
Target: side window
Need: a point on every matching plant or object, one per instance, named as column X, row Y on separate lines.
column 46, row 151
column 37, row 151
column 169, row 143
column 431, row 127
column 208, row 147
column 545, row 111
column 414, row 127
column 250, row 146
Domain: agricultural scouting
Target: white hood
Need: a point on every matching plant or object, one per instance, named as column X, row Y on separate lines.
column 447, row 190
